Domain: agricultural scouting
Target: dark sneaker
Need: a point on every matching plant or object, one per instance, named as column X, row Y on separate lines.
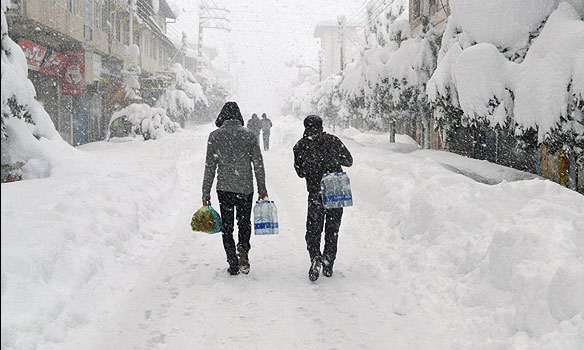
column 327, row 267
column 315, row 268
column 243, row 260
column 233, row 270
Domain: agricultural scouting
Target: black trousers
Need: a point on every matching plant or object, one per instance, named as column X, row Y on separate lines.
column 266, row 136
column 318, row 217
column 231, row 203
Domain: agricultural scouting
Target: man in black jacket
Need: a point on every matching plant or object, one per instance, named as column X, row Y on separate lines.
column 315, row 154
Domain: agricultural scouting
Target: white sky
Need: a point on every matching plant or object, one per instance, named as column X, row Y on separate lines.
column 265, row 34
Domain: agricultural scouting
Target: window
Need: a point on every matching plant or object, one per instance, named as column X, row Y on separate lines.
column 71, row 6
column 126, row 32
column 104, row 18
column 87, row 20
column 97, row 10
column 117, row 26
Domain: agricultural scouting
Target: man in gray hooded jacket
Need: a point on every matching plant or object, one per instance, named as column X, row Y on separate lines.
column 231, row 152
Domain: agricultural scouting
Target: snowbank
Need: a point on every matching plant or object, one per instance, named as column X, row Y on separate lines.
column 501, row 264
column 74, row 245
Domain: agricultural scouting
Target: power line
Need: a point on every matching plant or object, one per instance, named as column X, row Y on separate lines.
column 267, row 32
column 368, row 18
column 375, row 15
column 359, row 10
column 364, row 14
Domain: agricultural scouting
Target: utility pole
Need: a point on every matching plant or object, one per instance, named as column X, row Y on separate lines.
column 209, row 19
column 341, row 20
column 425, row 15
column 320, row 54
column 423, row 110
column 183, row 49
column 131, row 32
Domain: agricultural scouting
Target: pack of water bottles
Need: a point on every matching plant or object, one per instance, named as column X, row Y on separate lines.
column 336, row 190
column 265, row 218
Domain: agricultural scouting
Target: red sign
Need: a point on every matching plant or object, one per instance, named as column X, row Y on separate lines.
column 34, row 53
column 54, row 63
column 73, row 76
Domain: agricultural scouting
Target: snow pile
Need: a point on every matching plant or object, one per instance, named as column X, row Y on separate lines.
column 140, row 119
column 29, row 136
column 526, row 65
column 501, row 264
column 74, row 245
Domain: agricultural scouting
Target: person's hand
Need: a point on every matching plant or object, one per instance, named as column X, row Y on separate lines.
column 206, row 203
column 262, row 196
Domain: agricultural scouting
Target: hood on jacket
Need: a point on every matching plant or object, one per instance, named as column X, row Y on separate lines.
column 230, row 111
column 312, row 125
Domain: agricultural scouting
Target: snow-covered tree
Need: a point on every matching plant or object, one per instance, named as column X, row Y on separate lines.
column 326, row 100
column 525, row 77
column 183, row 98
column 140, row 119
column 389, row 80
column 30, row 142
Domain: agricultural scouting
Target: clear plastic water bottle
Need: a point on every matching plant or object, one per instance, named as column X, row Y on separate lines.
column 337, row 191
column 265, row 218
column 328, row 190
column 274, row 229
column 346, row 189
column 259, row 218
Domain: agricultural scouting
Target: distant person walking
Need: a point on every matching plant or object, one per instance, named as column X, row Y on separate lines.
column 315, row 154
column 255, row 125
column 266, row 126
column 231, row 151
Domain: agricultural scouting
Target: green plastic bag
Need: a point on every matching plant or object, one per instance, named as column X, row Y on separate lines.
column 207, row 220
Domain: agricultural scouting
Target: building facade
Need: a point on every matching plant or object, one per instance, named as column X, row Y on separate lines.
column 337, row 48
column 77, row 51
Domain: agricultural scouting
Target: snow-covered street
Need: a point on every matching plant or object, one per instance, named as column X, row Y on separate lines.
column 437, row 253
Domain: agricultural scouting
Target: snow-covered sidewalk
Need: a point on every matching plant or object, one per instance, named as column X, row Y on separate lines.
column 102, row 256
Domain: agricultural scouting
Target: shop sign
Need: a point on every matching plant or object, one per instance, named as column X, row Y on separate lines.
column 53, row 64
column 73, row 76
column 168, row 76
column 152, row 84
column 162, row 80
column 34, row 53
